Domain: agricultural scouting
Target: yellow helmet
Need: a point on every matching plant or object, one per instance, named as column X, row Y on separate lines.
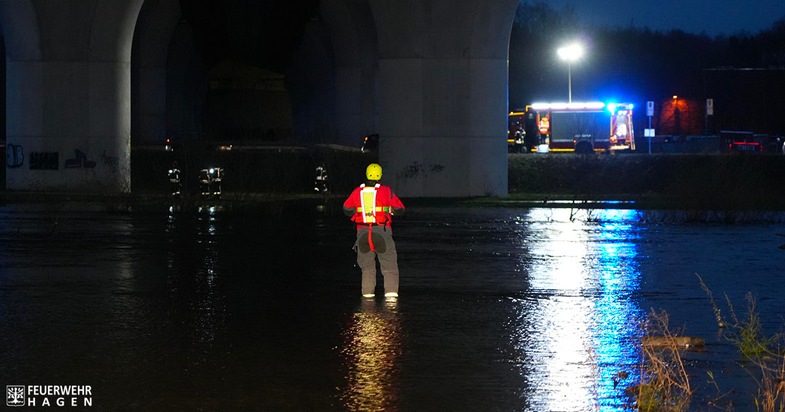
column 373, row 172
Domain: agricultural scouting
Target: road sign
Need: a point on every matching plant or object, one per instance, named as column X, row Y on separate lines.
column 649, row 133
column 709, row 107
column 650, row 108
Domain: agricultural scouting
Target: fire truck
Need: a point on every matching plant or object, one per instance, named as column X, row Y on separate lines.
column 522, row 134
column 576, row 127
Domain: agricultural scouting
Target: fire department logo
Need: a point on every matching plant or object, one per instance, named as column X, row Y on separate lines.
column 15, row 395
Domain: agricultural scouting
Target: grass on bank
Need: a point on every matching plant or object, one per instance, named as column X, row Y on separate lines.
column 765, row 354
column 685, row 181
column 665, row 384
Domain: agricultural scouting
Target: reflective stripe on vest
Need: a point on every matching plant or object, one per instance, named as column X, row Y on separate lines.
column 378, row 209
column 368, row 203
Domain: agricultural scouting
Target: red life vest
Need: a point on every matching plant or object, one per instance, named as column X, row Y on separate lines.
column 370, row 211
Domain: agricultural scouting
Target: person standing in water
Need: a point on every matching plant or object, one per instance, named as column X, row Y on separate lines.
column 371, row 207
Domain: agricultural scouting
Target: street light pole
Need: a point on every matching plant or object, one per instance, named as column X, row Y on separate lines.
column 570, row 54
column 569, row 81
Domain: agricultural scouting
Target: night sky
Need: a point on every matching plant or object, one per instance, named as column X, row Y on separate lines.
column 712, row 17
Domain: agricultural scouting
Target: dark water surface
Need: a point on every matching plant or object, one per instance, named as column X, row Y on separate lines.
column 500, row 309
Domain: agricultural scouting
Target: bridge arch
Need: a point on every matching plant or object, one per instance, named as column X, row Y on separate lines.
column 68, row 93
column 430, row 76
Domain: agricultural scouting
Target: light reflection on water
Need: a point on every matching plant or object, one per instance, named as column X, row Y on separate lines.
column 500, row 309
column 577, row 326
column 209, row 308
column 371, row 352
column 196, row 280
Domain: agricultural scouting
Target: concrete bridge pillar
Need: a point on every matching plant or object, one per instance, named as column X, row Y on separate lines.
column 68, row 94
column 156, row 25
column 443, row 95
column 353, row 35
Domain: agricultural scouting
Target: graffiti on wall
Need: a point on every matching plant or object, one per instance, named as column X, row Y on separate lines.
column 79, row 161
column 44, row 160
column 419, row 170
column 14, row 156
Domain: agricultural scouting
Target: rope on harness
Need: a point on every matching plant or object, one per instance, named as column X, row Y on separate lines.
column 370, row 237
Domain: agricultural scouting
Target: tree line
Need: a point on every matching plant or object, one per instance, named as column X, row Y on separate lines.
column 743, row 73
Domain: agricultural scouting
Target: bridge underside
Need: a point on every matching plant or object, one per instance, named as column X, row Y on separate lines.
column 430, row 76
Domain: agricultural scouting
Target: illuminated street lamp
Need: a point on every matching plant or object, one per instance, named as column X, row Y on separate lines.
column 570, row 54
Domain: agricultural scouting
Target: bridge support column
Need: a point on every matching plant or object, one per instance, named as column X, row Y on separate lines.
column 443, row 95
column 68, row 94
column 152, row 36
column 353, row 35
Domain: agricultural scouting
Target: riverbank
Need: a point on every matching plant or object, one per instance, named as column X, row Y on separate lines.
column 271, row 182
column 683, row 181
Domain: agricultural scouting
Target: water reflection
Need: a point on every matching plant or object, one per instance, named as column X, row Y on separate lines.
column 503, row 309
column 208, row 306
column 577, row 326
column 370, row 357
column 618, row 316
column 194, row 269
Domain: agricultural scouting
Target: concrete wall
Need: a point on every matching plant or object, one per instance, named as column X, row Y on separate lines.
column 443, row 95
column 356, row 63
column 68, row 97
column 154, row 29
